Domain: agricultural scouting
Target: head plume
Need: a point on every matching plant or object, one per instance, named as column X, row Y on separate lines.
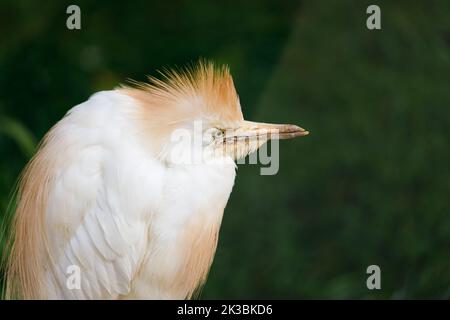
column 199, row 90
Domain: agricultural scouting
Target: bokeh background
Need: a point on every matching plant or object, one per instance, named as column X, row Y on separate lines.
column 370, row 185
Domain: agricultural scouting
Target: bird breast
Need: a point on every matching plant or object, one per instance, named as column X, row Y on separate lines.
column 183, row 232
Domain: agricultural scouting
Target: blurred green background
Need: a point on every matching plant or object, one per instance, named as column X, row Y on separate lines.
column 370, row 185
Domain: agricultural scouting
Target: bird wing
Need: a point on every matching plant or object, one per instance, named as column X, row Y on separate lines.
column 100, row 258
column 95, row 234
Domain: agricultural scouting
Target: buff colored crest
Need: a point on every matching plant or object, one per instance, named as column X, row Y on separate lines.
column 199, row 90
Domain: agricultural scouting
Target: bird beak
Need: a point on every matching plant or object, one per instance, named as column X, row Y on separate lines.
column 256, row 130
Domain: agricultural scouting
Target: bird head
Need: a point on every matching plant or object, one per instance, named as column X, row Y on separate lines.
column 195, row 114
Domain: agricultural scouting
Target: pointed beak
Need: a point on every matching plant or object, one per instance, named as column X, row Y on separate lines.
column 257, row 130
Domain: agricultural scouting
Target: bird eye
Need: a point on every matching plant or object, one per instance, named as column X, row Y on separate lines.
column 219, row 133
column 213, row 134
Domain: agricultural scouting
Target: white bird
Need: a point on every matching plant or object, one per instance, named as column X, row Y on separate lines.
column 106, row 196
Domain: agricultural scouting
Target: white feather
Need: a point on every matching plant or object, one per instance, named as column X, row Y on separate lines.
column 116, row 211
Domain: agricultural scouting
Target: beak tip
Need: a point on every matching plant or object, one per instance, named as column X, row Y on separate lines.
column 300, row 131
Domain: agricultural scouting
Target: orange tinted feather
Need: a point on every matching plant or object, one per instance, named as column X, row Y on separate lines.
column 27, row 242
column 202, row 89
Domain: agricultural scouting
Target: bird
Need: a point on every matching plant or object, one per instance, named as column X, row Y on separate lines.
column 106, row 194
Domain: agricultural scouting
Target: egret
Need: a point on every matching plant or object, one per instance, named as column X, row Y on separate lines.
column 106, row 194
